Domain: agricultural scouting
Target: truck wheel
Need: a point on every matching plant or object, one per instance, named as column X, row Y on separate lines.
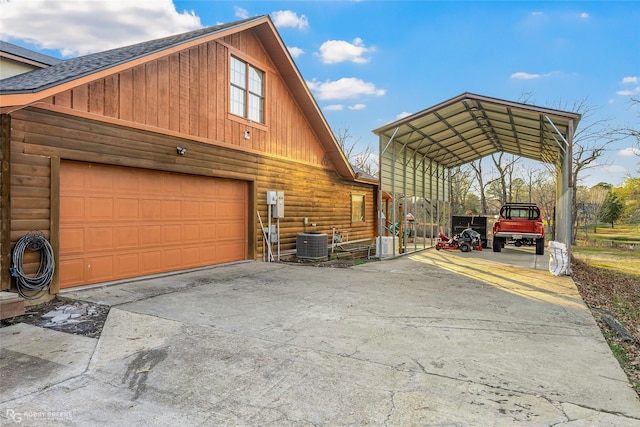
column 518, row 243
column 464, row 247
column 497, row 244
column 540, row 246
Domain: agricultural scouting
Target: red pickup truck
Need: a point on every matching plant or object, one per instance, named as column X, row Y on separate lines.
column 520, row 222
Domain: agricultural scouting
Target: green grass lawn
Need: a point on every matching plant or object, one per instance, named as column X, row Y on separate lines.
column 616, row 249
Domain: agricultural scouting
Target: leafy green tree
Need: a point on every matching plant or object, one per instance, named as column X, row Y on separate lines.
column 595, row 198
column 611, row 209
column 629, row 192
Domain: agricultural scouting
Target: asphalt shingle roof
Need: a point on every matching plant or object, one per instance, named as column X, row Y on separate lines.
column 74, row 68
column 28, row 54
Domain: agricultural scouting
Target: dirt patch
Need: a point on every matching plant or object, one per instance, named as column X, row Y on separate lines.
column 330, row 263
column 64, row 315
column 614, row 300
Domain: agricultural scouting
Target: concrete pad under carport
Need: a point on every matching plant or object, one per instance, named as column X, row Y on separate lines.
column 426, row 339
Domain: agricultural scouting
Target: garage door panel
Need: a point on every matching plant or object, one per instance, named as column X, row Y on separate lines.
column 207, row 232
column 126, row 208
column 208, row 254
column 127, row 237
column 150, row 209
column 171, row 234
column 191, row 256
column 72, row 272
column 127, row 264
column 118, row 222
column 99, row 208
column 72, row 240
column 99, row 238
column 190, row 209
column 74, row 206
column 150, row 235
column 207, row 210
column 230, row 251
column 100, row 268
column 171, row 209
column 151, row 261
column 172, row 258
column 191, row 233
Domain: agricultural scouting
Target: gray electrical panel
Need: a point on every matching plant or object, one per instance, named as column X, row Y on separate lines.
column 278, row 207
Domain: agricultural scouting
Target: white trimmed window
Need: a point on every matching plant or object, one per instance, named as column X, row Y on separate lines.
column 247, row 91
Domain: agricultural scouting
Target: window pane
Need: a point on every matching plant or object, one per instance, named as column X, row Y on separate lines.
column 256, row 108
column 238, row 73
column 357, row 208
column 256, row 81
column 237, row 101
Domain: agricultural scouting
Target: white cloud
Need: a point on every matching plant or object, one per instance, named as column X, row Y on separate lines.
column 521, row 75
column 81, row 27
column 240, row 12
column 295, row 51
column 333, row 51
column 631, row 151
column 357, row 107
column 584, row 15
column 346, row 87
column 334, row 107
column 403, row 115
column 629, row 92
column 630, row 80
column 288, row 18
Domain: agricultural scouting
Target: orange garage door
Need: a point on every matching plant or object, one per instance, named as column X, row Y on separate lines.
column 118, row 222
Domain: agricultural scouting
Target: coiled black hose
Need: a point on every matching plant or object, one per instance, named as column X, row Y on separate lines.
column 35, row 286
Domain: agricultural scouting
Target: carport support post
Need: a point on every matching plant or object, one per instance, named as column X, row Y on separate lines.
column 564, row 224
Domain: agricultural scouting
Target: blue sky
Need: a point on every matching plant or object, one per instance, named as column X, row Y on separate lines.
column 370, row 62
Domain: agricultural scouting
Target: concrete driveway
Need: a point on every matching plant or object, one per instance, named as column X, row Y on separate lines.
column 432, row 338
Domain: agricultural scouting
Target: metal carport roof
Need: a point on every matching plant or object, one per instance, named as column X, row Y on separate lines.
column 470, row 127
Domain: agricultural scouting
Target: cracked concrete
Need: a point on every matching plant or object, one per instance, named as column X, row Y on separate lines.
column 427, row 339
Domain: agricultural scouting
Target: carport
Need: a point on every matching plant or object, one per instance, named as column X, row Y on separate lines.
column 417, row 153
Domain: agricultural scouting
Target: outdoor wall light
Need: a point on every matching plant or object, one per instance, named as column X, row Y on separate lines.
column 181, row 151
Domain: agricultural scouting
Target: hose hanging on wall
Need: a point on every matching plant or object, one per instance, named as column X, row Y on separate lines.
column 35, row 286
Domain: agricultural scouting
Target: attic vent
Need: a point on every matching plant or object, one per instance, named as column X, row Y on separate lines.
column 312, row 245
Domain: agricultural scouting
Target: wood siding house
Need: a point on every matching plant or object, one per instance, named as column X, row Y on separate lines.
column 158, row 157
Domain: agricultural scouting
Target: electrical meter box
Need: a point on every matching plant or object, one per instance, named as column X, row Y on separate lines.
column 276, row 199
column 278, row 208
column 272, row 198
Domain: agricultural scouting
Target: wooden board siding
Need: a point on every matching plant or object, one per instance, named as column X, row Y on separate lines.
column 30, row 200
column 310, row 191
column 188, row 92
column 316, row 194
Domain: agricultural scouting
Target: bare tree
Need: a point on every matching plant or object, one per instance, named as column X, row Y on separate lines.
column 363, row 159
column 505, row 167
column 631, row 131
column 543, row 192
column 590, row 142
column 476, row 165
column 460, row 187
